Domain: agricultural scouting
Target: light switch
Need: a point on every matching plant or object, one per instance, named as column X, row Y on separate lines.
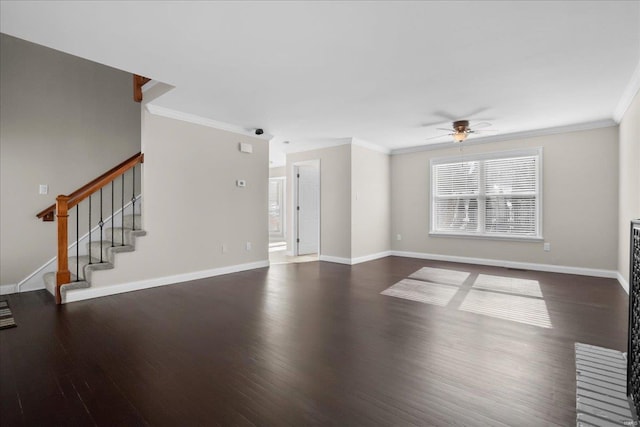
column 44, row 189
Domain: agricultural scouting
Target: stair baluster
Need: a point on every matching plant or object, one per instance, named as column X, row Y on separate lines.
column 112, row 217
column 77, row 242
column 101, row 224
column 133, row 198
column 90, row 258
column 122, row 213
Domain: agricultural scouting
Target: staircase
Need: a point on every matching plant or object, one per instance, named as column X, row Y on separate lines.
column 100, row 202
column 102, row 255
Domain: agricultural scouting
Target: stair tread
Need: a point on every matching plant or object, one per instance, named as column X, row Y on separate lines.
column 118, row 239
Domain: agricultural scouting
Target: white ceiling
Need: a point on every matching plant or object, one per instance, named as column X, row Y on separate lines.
column 315, row 72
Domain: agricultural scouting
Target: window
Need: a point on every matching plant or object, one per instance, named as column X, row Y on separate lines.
column 276, row 207
column 490, row 195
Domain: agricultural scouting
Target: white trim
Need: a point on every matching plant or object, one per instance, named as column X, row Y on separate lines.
column 510, row 136
column 49, row 266
column 622, row 281
column 370, row 146
column 8, row 289
column 516, row 238
column 337, row 260
column 102, row 291
column 370, row 257
column 149, row 85
column 315, row 163
column 319, row 144
column 611, row 274
column 199, row 120
column 630, row 91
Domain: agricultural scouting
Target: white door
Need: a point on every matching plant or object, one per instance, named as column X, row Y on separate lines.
column 308, row 209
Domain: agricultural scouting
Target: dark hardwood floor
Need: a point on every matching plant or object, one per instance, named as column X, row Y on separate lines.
column 302, row 344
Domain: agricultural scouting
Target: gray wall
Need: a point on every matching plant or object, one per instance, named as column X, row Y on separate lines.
column 580, row 203
column 335, row 199
column 370, row 208
column 278, row 172
column 191, row 204
column 63, row 121
column 629, row 181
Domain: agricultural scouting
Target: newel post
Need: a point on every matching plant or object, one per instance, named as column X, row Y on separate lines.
column 63, row 274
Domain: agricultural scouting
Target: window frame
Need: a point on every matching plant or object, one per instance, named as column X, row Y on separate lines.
column 482, row 197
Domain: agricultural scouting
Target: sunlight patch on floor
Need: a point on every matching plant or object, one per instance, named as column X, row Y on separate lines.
column 440, row 275
column 522, row 309
column 501, row 297
column 511, row 285
column 425, row 292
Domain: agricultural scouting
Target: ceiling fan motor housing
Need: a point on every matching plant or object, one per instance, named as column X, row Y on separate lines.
column 461, row 125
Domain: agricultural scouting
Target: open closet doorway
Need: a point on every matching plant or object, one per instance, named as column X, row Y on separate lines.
column 303, row 245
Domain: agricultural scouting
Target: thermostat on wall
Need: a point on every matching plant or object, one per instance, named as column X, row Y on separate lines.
column 241, row 183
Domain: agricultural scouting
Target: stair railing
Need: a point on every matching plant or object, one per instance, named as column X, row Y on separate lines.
column 64, row 203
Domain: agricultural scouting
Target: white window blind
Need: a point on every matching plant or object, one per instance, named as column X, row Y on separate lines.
column 496, row 194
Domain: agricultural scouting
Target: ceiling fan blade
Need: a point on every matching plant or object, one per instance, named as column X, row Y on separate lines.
column 480, row 125
column 445, row 129
column 445, row 115
column 476, row 112
column 439, row 136
column 428, row 125
column 484, row 131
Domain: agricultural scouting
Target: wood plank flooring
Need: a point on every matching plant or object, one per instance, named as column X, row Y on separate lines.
column 302, row 344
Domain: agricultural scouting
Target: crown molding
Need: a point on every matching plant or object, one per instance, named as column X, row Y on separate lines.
column 370, row 145
column 511, row 136
column 633, row 87
column 199, row 120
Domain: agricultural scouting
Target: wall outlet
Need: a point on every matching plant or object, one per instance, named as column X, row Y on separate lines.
column 547, row 247
column 225, row 249
column 43, row 189
column 398, row 236
column 248, row 246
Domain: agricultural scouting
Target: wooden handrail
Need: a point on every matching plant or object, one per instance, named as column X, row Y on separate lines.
column 86, row 190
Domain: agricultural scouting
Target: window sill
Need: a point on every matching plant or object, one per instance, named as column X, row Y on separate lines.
column 535, row 239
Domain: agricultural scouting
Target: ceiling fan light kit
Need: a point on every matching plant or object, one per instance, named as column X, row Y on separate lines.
column 461, row 129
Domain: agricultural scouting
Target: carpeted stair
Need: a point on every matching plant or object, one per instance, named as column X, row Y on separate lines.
column 114, row 241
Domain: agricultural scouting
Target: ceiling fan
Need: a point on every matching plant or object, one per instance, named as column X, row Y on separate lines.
column 461, row 129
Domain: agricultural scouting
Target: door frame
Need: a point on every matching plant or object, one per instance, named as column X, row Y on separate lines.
column 294, row 202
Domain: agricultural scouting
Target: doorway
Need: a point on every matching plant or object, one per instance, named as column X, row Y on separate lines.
column 306, row 207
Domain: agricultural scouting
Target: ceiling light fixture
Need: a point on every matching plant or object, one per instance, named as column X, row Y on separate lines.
column 459, row 136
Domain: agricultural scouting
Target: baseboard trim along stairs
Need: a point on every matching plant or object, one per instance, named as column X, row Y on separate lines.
column 103, row 291
column 103, row 255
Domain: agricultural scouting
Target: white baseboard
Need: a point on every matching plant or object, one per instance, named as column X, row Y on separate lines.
column 102, row 291
column 8, row 289
column 623, row 282
column 371, row 257
column 611, row 274
column 354, row 261
column 335, row 259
